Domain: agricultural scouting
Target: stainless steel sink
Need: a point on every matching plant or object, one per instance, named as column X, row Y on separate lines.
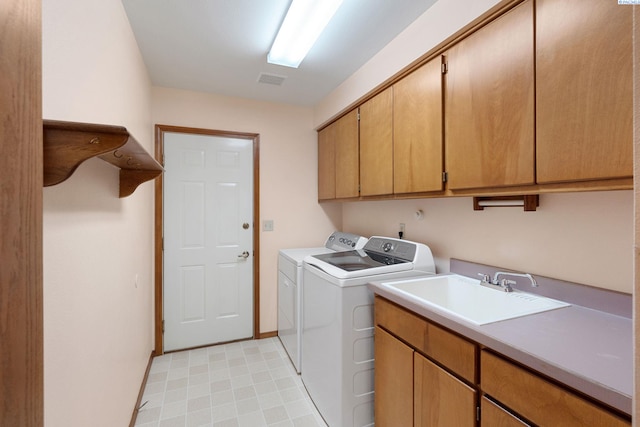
column 467, row 299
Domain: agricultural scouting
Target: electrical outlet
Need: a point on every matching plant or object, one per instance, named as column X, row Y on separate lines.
column 267, row 225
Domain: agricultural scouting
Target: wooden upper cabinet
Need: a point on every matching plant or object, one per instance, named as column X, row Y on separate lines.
column 376, row 145
column 327, row 163
column 338, row 171
column 347, row 161
column 417, row 130
column 584, row 90
column 489, row 104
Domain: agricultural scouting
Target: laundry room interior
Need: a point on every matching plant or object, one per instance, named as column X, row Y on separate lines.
column 97, row 319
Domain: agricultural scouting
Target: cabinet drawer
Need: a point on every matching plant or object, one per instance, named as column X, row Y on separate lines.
column 495, row 416
column 446, row 348
column 537, row 399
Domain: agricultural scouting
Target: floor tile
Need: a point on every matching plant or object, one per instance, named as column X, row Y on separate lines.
column 174, row 422
column 249, row 383
column 173, row 410
column 275, row 414
column 146, row 415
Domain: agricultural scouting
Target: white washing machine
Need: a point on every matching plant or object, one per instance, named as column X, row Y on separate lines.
column 290, row 288
column 338, row 324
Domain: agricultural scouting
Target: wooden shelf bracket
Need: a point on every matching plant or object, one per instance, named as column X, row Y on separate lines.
column 68, row 144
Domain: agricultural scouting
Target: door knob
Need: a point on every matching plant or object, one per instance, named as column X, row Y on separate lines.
column 244, row 255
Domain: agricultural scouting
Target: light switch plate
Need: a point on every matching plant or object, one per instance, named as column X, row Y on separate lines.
column 267, row 225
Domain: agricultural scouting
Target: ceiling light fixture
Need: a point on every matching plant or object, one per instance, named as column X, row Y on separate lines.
column 301, row 28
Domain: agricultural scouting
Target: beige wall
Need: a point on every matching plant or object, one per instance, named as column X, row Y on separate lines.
column 97, row 323
column 582, row 237
column 288, row 173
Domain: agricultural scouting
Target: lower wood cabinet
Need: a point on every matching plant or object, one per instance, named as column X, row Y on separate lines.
column 439, row 398
column 539, row 400
column 413, row 391
column 393, row 381
column 447, row 349
column 426, row 375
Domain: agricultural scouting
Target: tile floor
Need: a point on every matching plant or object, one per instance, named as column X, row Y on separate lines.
column 249, row 383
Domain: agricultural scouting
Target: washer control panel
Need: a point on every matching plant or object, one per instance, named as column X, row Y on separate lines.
column 397, row 248
column 339, row 241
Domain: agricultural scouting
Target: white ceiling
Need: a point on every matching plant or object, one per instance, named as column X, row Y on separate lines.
column 220, row 46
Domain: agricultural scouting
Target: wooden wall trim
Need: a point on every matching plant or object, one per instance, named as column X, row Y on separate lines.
column 636, row 241
column 136, row 408
column 270, row 334
column 160, row 129
column 256, row 235
column 21, row 305
column 157, row 227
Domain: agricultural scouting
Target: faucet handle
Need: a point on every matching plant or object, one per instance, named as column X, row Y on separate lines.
column 505, row 284
column 485, row 278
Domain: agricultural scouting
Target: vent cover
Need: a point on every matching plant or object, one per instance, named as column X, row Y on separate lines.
column 271, row 79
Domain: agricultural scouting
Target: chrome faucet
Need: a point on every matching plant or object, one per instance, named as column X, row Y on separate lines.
column 504, row 273
column 505, row 284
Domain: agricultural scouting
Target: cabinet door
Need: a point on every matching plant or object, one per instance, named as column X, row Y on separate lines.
column 347, row 162
column 584, row 88
column 327, row 163
column 440, row 399
column 376, row 145
column 489, row 104
column 393, row 381
column 417, row 130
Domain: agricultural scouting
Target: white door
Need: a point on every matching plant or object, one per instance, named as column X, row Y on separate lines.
column 208, row 239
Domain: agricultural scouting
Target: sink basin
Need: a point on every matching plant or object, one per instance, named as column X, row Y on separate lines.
column 466, row 298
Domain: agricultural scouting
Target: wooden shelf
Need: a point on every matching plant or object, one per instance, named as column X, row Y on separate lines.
column 68, row 144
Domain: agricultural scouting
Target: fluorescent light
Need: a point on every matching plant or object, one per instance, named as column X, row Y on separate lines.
column 301, row 28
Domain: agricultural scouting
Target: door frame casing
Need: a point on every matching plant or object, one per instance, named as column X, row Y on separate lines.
column 160, row 130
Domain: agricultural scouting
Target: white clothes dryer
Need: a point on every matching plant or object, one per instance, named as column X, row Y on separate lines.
column 290, row 281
